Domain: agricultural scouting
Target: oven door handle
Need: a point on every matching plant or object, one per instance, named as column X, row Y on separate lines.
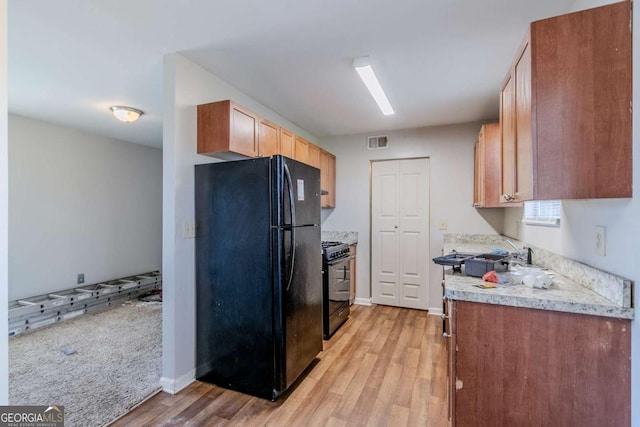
column 292, row 208
column 336, row 261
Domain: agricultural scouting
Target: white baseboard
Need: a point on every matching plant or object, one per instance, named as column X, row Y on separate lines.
column 435, row 311
column 172, row 386
column 363, row 301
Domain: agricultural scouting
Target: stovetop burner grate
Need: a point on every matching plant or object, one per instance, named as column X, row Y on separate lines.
column 328, row 244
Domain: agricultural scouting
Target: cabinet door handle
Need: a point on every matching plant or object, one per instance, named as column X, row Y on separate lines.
column 446, row 335
column 508, row 197
column 444, row 316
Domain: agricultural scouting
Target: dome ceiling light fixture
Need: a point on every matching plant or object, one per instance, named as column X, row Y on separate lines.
column 126, row 114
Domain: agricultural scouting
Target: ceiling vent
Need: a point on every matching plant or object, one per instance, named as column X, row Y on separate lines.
column 377, row 142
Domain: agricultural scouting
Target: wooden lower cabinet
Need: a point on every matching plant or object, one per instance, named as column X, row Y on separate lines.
column 451, row 359
column 512, row 366
column 352, row 273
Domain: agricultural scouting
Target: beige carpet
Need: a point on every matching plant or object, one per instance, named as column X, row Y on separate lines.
column 115, row 366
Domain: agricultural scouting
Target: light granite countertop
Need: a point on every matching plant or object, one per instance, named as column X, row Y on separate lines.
column 565, row 294
column 348, row 237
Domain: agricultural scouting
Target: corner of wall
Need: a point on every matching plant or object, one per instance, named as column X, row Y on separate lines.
column 363, row 301
column 172, row 386
column 4, row 212
column 435, row 311
column 185, row 86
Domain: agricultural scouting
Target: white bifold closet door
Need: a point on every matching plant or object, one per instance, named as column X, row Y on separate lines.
column 400, row 232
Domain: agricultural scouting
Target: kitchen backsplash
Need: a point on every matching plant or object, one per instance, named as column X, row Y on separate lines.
column 610, row 286
column 479, row 239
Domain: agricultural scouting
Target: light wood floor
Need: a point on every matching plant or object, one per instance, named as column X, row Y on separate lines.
column 385, row 366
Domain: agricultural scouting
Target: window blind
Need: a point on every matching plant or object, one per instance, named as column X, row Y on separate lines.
column 542, row 212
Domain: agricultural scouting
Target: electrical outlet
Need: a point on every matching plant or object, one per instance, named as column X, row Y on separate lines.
column 189, row 231
column 601, row 240
column 442, row 224
column 80, row 278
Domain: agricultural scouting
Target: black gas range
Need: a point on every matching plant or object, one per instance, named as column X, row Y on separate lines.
column 336, row 285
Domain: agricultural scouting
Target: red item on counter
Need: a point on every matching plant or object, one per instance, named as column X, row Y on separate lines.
column 490, row 277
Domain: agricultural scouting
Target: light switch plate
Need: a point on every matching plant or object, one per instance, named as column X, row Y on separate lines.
column 442, row 224
column 189, row 231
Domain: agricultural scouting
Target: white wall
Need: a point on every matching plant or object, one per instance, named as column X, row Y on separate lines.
column 4, row 211
column 450, row 149
column 576, row 236
column 79, row 203
column 588, row 4
column 185, row 86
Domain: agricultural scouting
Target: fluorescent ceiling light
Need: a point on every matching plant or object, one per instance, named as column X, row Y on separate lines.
column 364, row 69
column 126, row 114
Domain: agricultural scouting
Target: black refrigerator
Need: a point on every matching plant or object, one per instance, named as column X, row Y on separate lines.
column 258, row 273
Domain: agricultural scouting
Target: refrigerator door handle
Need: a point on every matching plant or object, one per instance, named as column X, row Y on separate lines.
column 292, row 208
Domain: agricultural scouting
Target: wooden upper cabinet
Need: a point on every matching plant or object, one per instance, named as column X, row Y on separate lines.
column 269, row 138
column 566, row 109
column 488, row 157
column 324, row 178
column 508, row 135
column 332, row 181
column 227, row 130
column 524, row 141
column 287, row 143
column 515, row 117
column 328, row 179
column 301, row 152
column 478, row 173
column 313, row 155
